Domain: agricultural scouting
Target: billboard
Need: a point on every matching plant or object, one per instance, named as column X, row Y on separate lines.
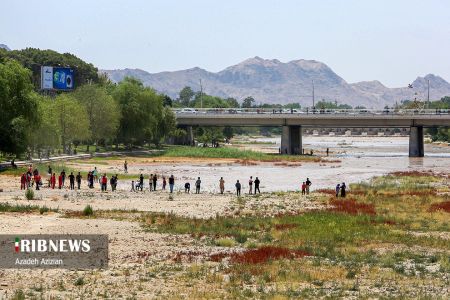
column 57, row 78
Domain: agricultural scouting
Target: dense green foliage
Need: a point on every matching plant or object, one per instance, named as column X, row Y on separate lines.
column 18, row 107
column 33, row 59
column 100, row 113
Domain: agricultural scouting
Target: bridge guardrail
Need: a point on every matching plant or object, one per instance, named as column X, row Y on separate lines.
column 347, row 112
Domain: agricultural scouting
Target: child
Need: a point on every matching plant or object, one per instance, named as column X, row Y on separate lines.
column 164, row 183
column 303, row 188
column 132, row 186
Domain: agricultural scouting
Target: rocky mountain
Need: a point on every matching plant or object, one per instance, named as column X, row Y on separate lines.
column 272, row 81
column 3, row 46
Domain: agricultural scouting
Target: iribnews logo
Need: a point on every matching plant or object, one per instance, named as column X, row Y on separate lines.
column 52, row 245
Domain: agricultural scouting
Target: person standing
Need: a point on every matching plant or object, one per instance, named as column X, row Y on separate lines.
column 37, row 181
column 63, row 175
column 187, row 187
column 303, row 188
column 141, row 182
column 53, row 181
column 104, row 182
column 72, row 181
column 197, row 185
column 150, row 179
column 49, row 172
column 23, row 182
column 125, row 167
column 95, row 175
column 338, row 187
column 60, row 181
column 343, row 187
column 171, row 183
column 238, row 188
column 78, row 178
column 132, row 186
column 250, row 185
column 155, row 179
column 222, row 185
column 257, row 182
column 164, row 183
column 308, row 184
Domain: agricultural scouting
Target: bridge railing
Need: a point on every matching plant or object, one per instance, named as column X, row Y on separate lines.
column 307, row 111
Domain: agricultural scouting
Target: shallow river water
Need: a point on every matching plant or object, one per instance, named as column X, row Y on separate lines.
column 360, row 159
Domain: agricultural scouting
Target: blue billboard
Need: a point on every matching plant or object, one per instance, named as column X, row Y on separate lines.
column 63, row 78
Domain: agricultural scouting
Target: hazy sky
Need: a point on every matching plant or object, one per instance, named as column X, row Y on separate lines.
column 392, row 41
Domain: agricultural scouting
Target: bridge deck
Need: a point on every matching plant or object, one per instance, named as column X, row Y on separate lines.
column 313, row 120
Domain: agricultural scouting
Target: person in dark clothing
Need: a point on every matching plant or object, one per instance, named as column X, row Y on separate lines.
column 187, row 187
column 257, row 182
column 150, row 182
column 72, row 181
column 197, row 186
column 171, row 183
column 238, row 188
column 155, row 179
column 78, row 178
column 308, row 184
column 141, row 182
column 338, row 187
column 343, row 187
column 63, row 174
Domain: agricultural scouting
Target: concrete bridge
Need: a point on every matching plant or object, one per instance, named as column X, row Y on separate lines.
column 294, row 121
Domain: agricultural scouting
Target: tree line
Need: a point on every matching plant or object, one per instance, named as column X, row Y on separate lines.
column 98, row 112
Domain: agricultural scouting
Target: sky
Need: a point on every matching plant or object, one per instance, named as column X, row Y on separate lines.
column 392, row 41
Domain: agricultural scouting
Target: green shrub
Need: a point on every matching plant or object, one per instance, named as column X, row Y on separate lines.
column 29, row 194
column 88, row 211
column 80, row 280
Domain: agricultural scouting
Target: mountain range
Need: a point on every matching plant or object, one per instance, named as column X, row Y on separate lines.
column 272, row 81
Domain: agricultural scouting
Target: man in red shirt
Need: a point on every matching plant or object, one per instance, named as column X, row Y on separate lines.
column 37, row 181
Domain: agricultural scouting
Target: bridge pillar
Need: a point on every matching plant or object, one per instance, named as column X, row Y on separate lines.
column 187, row 139
column 291, row 140
column 416, row 141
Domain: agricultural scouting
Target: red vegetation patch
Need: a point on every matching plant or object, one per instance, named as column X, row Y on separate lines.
column 264, row 254
column 443, row 206
column 285, row 164
column 284, row 226
column 326, row 191
column 246, row 162
column 352, row 207
column 187, row 256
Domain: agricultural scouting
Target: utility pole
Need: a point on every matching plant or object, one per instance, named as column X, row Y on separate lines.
column 313, row 94
column 428, row 95
column 201, row 94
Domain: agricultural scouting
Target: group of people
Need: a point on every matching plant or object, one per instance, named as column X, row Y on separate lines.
column 340, row 189
column 305, row 186
column 29, row 178
column 33, row 177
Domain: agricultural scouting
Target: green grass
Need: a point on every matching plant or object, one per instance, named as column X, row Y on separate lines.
column 7, row 207
column 229, row 152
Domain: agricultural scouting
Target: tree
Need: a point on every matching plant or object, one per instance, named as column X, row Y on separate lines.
column 143, row 117
column 102, row 110
column 33, row 59
column 186, row 95
column 18, row 107
column 167, row 101
column 71, row 118
column 248, row 102
column 49, row 135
